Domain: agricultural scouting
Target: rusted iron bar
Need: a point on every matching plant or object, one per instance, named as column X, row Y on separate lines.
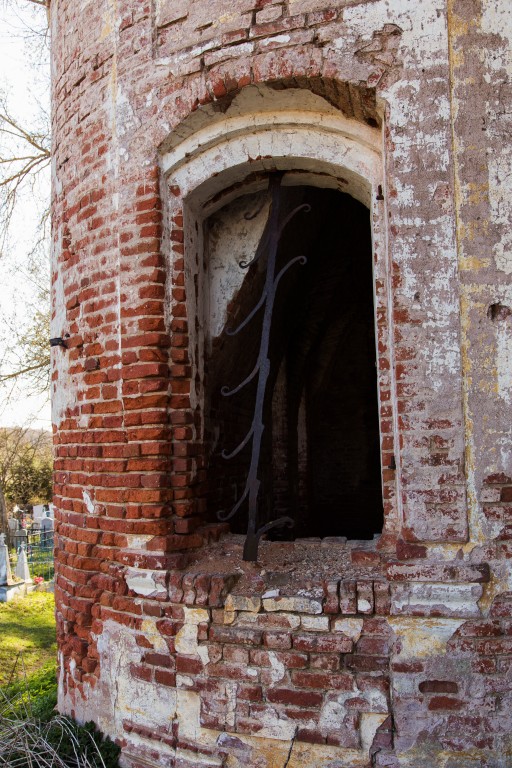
column 269, row 242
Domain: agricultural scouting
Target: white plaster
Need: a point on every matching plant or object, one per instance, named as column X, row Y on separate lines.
column 143, row 583
column 500, row 198
column 405, row 194
column 442, row 360
column 256, row 100
column 231, row 239
column 117, row 695
column 276, row 39
column 504, row 359
column 370, row 722
column 56, row 182
column 452, row 599
column 363, row 606
column 278, row 670
column 188, row 711
column 496, row 19
column 352, row 628
column 333, row 711
column 420, row 638
column 231, row 696
column 137, row 541
column 151, row 633
column 184, row 681
column 504, row 445
column 264, row 124
column 275, row 727
column 314, row 148
column 315, row 623
column 126, row 119
column 89, row 504
column 186, row 640
column 376, row 699
column 242, row 603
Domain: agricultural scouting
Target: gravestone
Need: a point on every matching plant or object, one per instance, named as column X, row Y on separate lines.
column 5, row 566
column 9, row 588
column 22, row 569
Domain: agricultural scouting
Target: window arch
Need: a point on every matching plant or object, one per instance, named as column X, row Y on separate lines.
column 220, row 157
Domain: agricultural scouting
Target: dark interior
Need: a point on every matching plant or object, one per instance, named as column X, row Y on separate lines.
column 320, row 457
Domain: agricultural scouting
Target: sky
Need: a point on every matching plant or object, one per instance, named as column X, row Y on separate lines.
column 25, row 81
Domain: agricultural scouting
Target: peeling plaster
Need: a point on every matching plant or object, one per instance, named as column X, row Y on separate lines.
column 117, row 695
column 143, row 583
column 89, row 504
column 421, row 638
column 500, row 178
column 186, row 641
column 278, row 669
column 350, row 627
column 451, row 599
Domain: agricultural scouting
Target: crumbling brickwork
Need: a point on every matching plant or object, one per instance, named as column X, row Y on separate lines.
column 387, row 652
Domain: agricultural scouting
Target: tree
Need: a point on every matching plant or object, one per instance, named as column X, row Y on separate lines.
column 24, row 162
column 25, row 468
column 30, row 479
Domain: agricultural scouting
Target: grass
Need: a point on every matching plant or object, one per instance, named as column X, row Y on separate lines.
column 27, row 625
column 32, row 734
column 34, row 695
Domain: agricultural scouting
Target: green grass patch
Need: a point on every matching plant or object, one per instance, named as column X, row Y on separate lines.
column 32, row 733
column 34, row 695
column 27, row 625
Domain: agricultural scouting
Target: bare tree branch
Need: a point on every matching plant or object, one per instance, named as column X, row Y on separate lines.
column 24, row 158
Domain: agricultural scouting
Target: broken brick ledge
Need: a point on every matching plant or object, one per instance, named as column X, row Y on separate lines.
column 315, row 578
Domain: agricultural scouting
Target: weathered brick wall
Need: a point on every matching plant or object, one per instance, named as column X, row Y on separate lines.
column 395, row 652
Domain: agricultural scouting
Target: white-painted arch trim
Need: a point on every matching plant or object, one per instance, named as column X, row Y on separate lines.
column 332, row 149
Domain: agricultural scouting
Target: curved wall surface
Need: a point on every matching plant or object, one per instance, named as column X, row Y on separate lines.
column 391, row 651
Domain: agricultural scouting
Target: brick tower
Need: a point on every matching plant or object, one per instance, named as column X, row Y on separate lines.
column 284, row 225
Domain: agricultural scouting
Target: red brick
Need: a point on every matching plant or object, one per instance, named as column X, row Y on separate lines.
column 279, row 640
column 157, row 659
column 140, row 672
column 444, row 702
column 319, row 643
column 438, row 686
column 311, row 736
column 323, row 680
column 293, row 697
column 249, row 692
column 188, row 665
column 222, row 634
column 164, row 677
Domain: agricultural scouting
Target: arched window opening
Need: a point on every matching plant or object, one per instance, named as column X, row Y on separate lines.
column 320, row 450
